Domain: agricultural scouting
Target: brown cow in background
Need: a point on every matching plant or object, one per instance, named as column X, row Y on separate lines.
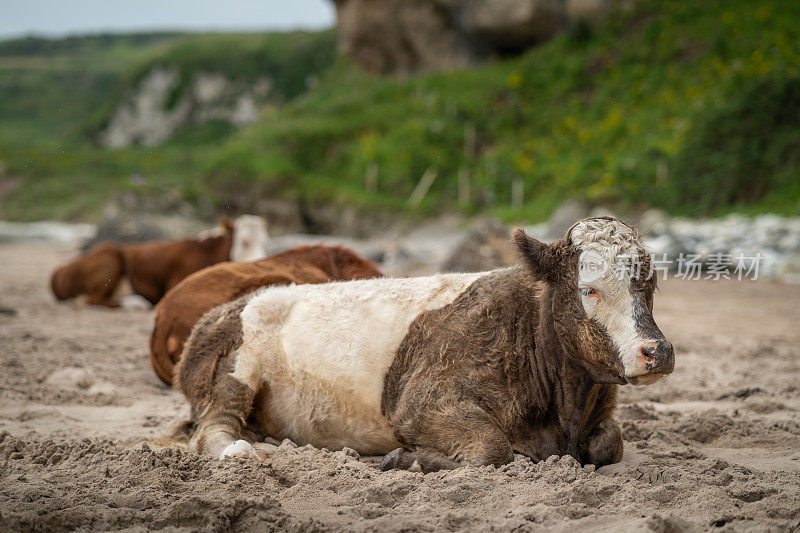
column 153, row 268
column 187, row 302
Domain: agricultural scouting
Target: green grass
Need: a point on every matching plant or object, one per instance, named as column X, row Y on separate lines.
column 48, row 88
column 56, row 94
column 678, row 104
column 609, row 116
column 290, row 61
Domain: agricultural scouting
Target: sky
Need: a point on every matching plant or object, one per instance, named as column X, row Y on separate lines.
column 55, row 18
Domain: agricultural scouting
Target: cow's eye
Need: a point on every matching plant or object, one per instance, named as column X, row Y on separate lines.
column 588, row 291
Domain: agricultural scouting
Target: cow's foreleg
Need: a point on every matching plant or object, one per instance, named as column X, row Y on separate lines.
column 603, row 442
column 603, row 446
column 451, row 437
column 220, row 425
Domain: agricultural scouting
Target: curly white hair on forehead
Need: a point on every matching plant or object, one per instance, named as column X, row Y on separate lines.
column 607, row 236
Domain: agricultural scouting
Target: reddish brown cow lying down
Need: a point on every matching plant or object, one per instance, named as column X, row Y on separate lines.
column 188, row 301
column 441, row 370
column 153, row 268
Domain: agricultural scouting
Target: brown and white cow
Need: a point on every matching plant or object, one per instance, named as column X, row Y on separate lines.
column 189, row 300
column 152, row 268
column 442, row 370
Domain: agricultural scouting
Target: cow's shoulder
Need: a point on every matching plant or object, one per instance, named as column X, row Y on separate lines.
column 471, row 344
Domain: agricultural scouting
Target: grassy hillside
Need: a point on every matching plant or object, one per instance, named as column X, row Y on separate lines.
column 48, row 88
column 55, row 95
column 692, row 106
column 291, row 60
column 662, row 106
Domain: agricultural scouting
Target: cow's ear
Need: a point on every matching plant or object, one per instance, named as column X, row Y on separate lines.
column 541, row 258
column 226, row 224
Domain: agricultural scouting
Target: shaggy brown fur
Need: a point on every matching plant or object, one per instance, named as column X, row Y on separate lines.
column 513, row 364
column 197, row 372
column 151, row 268
column 469, row 384
column 183, row 306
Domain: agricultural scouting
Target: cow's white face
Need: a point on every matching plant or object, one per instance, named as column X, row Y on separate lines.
column 615, row 296
column 250, row 238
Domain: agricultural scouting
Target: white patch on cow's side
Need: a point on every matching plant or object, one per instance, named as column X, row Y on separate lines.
column 604, row 245
column 322, row 352
column 239, row 448
column 250, row 238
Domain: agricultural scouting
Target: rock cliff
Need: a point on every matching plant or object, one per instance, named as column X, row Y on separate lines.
column 161, row 104
column 394, row 36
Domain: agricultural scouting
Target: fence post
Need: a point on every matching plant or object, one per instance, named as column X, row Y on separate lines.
column 517, row 192
column 463, row 186
column 419, row 192
column 371, row 177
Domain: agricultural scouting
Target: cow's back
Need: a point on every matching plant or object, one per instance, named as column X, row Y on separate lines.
column 184, row 305
column 153, row 268
column 323, row 352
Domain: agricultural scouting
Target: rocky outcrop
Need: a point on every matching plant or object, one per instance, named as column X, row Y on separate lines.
column 44, row 231
column 774, row 239
column 485, row 247
column 393, row 36
column 151, row 113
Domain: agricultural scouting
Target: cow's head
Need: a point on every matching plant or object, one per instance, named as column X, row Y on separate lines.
column 601, row 297
column 250, row 238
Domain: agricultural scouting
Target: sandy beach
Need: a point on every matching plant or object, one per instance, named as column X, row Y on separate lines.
column 714, row 445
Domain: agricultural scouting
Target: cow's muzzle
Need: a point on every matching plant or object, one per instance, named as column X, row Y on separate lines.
column 658, row 358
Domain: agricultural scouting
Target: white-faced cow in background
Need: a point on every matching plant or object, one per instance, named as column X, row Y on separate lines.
column 442, row 370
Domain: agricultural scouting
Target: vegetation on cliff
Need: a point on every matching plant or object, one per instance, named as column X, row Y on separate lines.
column 692, row 106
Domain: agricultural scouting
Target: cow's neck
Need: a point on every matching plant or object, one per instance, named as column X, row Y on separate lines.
column 563, row 388
column 218, row 246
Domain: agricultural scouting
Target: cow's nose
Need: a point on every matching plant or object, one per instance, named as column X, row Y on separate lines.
column 659, row 356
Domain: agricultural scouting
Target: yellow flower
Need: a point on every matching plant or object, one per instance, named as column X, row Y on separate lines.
column 368, row 141
column 523, row 163
column 612, row 120
column 515, row 80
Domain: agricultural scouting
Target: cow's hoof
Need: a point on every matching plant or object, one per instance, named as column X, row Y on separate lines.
column 241, row 449
column 400, row 459
column 390, row 459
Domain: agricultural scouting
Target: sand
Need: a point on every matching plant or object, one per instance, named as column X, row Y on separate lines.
column 716, row 445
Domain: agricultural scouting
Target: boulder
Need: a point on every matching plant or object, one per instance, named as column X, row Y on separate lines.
column 126, row 228
column 391, row 36
column 565, row 216
column 653, row 222
column 486, row 247
column 386, row 36
column 132, row 218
